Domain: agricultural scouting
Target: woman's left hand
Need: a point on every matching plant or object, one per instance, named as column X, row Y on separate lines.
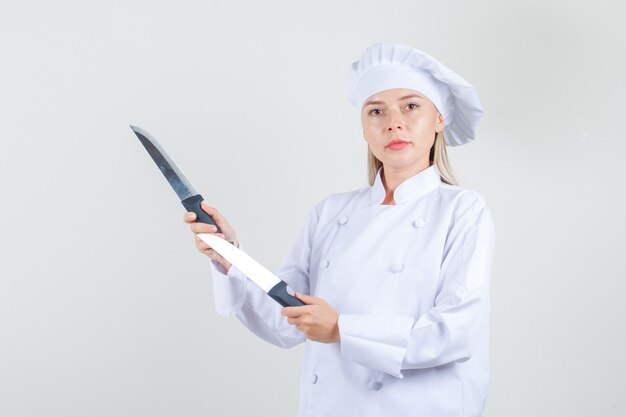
column 317, row 319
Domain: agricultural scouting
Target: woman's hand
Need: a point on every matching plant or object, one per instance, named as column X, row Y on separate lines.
column 317, row 319
column 228, row 233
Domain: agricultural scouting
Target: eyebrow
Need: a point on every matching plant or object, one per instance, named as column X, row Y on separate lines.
column 401, row 98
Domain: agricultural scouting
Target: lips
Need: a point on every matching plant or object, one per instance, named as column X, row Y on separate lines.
column 396, row 144
column 394, row 141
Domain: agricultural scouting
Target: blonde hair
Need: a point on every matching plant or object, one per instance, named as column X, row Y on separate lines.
column 438, row 156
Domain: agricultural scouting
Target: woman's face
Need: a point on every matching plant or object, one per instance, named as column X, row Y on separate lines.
column 405, row 115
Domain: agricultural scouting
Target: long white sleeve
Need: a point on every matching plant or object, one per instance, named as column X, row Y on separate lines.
column 451, row 329
column 235, row 294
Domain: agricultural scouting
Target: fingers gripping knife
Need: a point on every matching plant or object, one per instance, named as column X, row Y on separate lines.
column 270, row 283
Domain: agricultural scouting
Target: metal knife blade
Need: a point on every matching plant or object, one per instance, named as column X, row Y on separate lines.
column 181, row 185
column 264, row 278
column 173, row 174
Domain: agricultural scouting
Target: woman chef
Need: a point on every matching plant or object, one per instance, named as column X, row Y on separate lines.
column 395, row 275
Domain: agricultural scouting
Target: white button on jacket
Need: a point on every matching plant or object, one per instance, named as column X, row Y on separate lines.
column 410, row 282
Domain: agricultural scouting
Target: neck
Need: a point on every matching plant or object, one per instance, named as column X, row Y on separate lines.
column 392, row 177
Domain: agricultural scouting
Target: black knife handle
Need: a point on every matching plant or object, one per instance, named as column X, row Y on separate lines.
column 280, row 294
column 193, row 204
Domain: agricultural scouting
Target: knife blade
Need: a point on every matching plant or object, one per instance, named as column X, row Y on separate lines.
column 264, row 278
column 182, row 186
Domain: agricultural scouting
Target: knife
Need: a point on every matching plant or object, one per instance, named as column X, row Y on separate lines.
column 181, row 185
column 270, row 283
column 264, row 278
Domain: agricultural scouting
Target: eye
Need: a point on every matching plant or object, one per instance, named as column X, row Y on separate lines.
column 374, row 111
column 412, row 104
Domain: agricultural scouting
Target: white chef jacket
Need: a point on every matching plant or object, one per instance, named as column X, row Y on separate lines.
column 410, row 282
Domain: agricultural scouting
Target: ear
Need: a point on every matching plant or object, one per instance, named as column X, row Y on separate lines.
column 439, row 123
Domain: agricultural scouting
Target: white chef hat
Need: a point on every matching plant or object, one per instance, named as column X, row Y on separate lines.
column 385, row 66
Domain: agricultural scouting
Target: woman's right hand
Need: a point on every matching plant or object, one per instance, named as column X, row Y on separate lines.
column 228, row 233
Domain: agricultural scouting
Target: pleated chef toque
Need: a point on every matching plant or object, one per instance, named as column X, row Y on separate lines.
column 385, row 66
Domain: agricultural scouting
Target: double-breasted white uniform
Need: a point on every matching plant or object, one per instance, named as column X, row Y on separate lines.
column 410, row 282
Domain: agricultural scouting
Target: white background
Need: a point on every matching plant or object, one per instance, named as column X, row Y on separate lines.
column 106, row 307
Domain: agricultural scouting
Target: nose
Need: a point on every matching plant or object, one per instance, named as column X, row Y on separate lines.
column 395, row 121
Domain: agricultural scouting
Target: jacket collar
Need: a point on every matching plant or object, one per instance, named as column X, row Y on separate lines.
column 410, row 189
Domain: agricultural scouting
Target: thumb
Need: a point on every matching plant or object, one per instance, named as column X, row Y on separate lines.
column 307, row 299
column 211, row 211
column 205, row 207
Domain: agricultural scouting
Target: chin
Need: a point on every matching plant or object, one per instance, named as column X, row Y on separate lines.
column 403, row 163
